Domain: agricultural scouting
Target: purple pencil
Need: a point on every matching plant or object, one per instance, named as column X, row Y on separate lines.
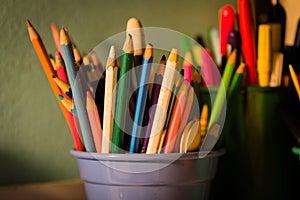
column 154, row 98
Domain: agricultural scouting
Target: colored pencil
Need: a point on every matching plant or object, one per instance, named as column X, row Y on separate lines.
column 188, row 66
column 122, row 101
column 56, row 36
column 46, row 64
column 155, row 94
column 60, row 67
column 77, row 92
column 94, row 120
column 109, row 100
column 175, row 90
column 75, row 129
column 237, row 80
column 52, row 60
column 163, row 102
column 69, row 105
column 203, row 122
column 177, row 115
column 295, row 80
column 218, row 104
column 185, row 117
column 65, row 87
column 209, row 75
column 141, row 99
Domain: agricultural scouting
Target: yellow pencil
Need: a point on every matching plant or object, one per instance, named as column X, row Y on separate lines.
column 109, row 101
column 163, row 102
column 295, row 80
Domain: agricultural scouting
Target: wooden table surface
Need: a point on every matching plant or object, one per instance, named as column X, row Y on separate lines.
column 61, row 190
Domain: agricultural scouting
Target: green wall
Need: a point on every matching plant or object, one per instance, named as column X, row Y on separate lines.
column 34, row 138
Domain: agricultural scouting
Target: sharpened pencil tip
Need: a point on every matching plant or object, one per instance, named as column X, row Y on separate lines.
column 28, row 23
column 88, row 94
column 173, row 55
column 128, row 45
column 64, row 38
column 232, row 57
column 148, row 52
column 188, row 59
column 241, row 68
column 60, row 97
column 111, row 60
column 112, row 52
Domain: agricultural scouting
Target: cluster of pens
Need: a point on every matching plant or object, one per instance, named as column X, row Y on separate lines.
column 261, row 42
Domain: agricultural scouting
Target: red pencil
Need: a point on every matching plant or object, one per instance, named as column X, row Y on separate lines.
column 62, row 74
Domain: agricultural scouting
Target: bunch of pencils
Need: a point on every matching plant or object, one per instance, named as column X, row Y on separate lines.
column 104, row 117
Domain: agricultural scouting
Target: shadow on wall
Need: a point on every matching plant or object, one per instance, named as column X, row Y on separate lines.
column 18, row 169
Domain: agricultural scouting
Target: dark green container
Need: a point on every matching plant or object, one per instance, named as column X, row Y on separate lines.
column 258, row 163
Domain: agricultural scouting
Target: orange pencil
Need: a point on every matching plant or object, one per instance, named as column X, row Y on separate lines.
column 176, row 118
column 94, row 119
column 46, row 64
column 56, row 36
column 184, row 119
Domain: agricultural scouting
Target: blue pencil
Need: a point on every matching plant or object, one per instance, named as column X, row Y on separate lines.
column 77, row 93
column 141, row 99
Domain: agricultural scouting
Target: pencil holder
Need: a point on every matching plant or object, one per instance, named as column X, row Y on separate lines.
column 259, row 155
column 141, row 176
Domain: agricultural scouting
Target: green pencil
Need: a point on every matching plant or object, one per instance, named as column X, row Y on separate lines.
column 221, row 93
column 122, row 101
column 236, row 81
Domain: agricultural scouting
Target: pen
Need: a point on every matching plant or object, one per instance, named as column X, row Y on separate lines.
column 264, row 54
column 227, row 23
column 248, row 40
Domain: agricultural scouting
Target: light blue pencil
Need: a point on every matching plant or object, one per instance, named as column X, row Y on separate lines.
column 141, row 99
column 77, row 92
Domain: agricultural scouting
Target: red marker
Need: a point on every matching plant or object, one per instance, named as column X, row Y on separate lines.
column 248, row 39
column 227, row 23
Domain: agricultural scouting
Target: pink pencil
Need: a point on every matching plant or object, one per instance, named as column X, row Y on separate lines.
column 209, row 69
column 94, row 119
column 187, row 66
